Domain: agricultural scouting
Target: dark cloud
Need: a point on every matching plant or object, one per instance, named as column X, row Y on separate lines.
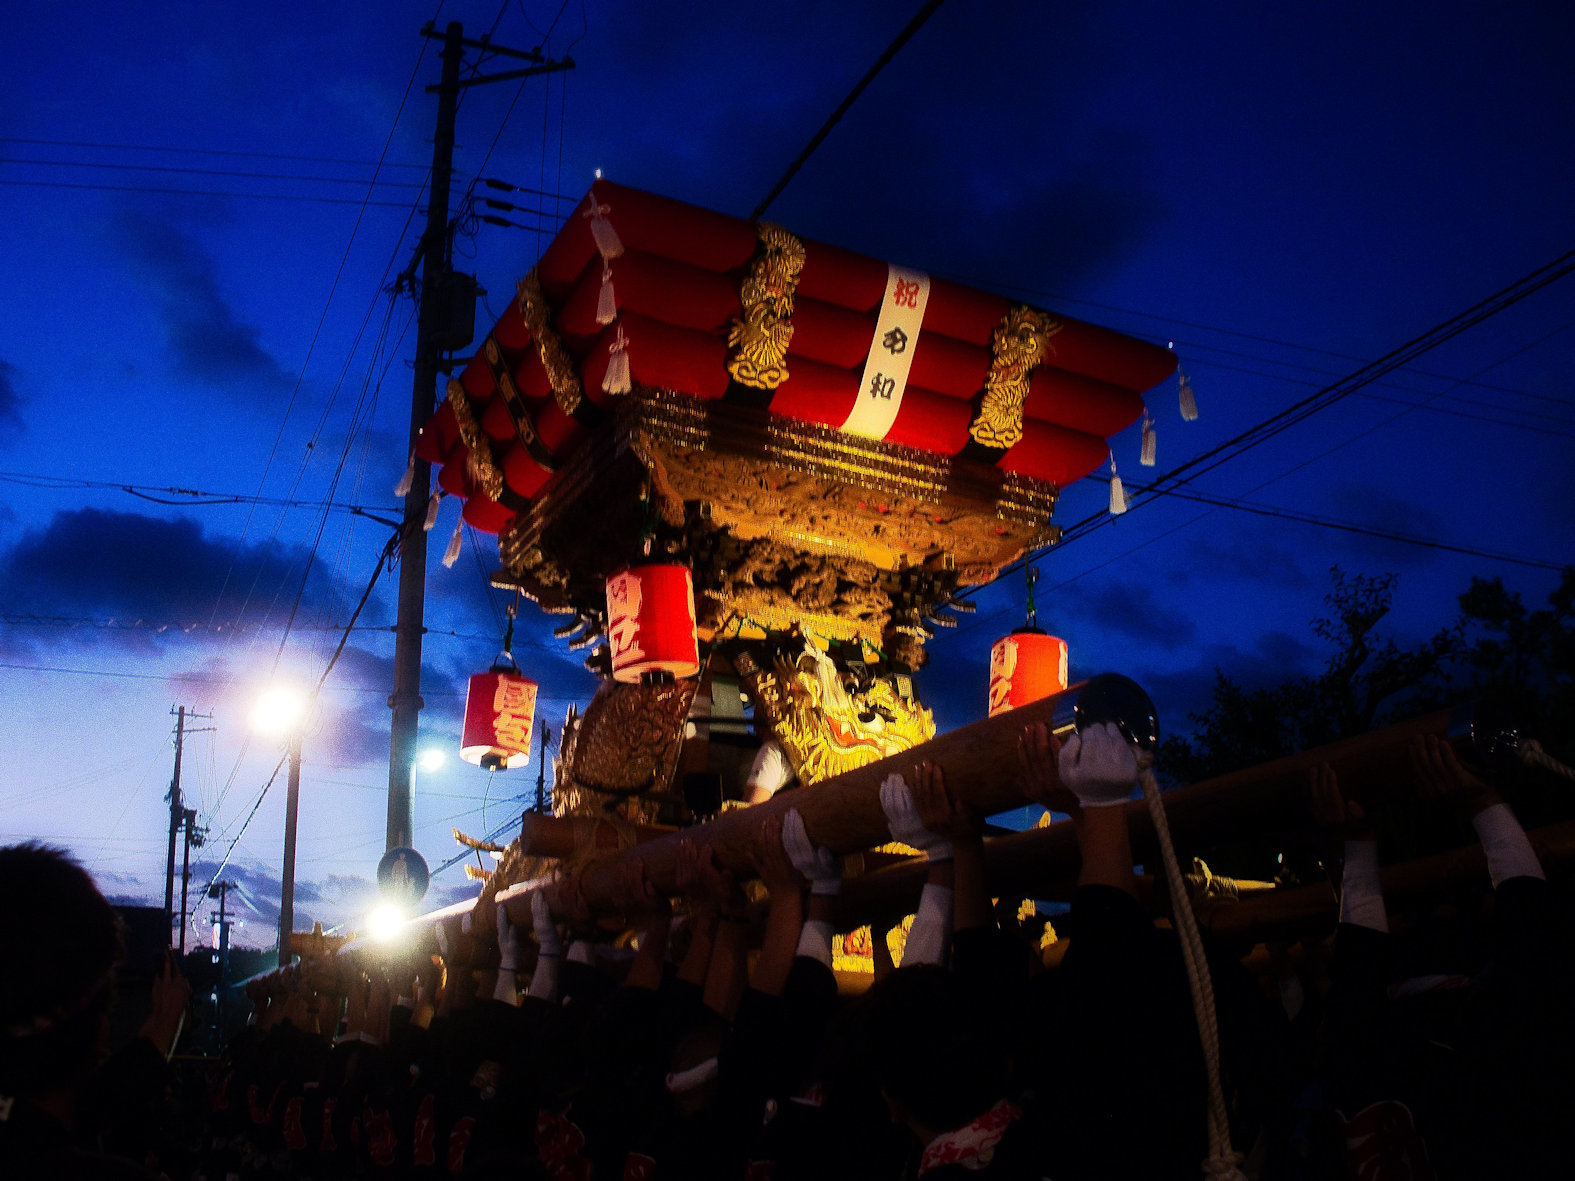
column 10, row 400
column 97, row 562
column 1369, row 504
column 1126, row 608
column 206, row 341
column 1177, row 694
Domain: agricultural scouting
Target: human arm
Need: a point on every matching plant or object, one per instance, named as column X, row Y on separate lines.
column 785, row 918
column 823, row 870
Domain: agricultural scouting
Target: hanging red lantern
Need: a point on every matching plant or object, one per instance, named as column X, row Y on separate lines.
column 651, row 622
column 1025, row 666
column 500, row 708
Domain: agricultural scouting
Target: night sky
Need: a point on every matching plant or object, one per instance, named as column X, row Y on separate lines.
column 199, row 242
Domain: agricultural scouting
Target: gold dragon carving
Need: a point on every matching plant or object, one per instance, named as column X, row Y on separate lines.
column 555, row 359
column 1017, row 347
column 480, row 463
column 625, row 744
column 825, row 729
column 759, row 341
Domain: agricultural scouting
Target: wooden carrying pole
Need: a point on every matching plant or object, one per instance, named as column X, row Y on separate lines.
column 844, row 813
column 1043, row 862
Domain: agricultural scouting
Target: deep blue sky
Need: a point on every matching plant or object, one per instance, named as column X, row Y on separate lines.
column 1284, row 191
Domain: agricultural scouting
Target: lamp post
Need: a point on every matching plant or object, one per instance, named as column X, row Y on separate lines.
column 281, row 711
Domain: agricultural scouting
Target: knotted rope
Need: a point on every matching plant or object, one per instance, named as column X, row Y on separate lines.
column 1531, row 753
column 1223, row 1161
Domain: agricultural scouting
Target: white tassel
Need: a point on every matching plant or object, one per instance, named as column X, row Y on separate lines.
column 405, row 481
column 616, row 380
column 606, row 302
column 608, row 244
column 432, row 510
column 1150, row 440
column 451, row 554
column 1189, row 404
column 1118, row 494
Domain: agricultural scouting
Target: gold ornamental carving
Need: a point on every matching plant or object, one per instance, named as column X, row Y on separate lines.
column 758, row 342
column 1017, row 347
column 625, row 744
column 479, row 463
column 555, row 359
column 825, row 728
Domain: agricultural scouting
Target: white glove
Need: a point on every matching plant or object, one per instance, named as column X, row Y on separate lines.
column 1099, row 766
column 546, row 929
column 771, row 771
column 821, row 867
column 902, row 817
column 508, row 941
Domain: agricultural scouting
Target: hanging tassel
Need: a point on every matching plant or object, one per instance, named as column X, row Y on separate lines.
column 606, row 302
column 608, row 244
column 616, row 380
column 451, row 554
column 1150, row 440
column 405, row 481
column 1189, row 404
column 1118, row 494
column 432, row 510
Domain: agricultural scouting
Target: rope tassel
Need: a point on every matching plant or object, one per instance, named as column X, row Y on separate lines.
column 432, row 510
column 1150, row 440
column 1189, row 404
column 608, row 244
column 451, row 554
column 616, row 380
column 1118, row 494
column 606, row 301
column 409, row 478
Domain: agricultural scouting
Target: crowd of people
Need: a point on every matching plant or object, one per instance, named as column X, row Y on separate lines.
column 714, row 1043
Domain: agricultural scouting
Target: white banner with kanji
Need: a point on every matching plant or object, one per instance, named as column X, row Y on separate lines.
column 891, row 353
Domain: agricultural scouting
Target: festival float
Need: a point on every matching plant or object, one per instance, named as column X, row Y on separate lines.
column 753, row 469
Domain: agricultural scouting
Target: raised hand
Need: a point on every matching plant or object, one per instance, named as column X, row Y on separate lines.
column 771, row 861
column 1332, row 810
column 1442, row 776
column 821, row 867
column 902, row 818
column 1099, row 766
column 1037, row 750
column 940, row 811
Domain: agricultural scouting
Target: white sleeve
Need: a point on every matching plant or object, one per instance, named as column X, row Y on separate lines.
column 1361, row 893
column 1509, row 852
column 930, row 937
column 814, row 941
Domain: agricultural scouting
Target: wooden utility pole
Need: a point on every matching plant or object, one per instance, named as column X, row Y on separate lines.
column 432, row 317
column 292, row 808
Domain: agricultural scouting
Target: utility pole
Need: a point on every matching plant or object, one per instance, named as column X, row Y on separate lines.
column 177, row 809
column 292, row 807
column 222, row 889
column 431, row 319
column 178, row 813
column 192, row 838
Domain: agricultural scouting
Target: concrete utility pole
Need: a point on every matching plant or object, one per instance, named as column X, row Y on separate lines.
column 192, row 838
column 178, row 813
column 435, row 302
column 292, row 808
column 222, row 890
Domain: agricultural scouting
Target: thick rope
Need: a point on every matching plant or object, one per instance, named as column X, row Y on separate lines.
column 1531, row 752
column 1223, row 1160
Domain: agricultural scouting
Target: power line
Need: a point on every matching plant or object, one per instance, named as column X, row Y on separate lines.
column 902, row 38
column 78, row 143
column 181, row 497
column 60, row 184
column 237, row 173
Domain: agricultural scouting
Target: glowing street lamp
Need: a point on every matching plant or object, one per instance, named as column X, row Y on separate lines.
column 431, row 759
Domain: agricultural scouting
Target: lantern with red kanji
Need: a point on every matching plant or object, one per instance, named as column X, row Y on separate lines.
column 500, row 708
column 651, row 622
column 1025, row 666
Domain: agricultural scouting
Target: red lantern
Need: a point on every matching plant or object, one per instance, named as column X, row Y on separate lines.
column 500, row 708
column 651, row 622
column 1025, row 666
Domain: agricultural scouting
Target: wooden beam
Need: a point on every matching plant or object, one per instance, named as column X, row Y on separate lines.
column 1043, row 862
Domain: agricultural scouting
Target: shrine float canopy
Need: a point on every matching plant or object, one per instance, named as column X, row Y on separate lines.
column 832, row 443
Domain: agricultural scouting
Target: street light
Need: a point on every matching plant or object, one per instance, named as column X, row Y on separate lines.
column 280, row 712
column 431, row 759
